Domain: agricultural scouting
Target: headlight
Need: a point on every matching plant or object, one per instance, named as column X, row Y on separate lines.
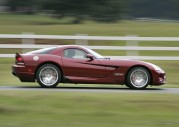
column 160, row 71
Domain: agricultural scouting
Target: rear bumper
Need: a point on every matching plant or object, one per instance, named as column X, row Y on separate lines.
column 23, row 73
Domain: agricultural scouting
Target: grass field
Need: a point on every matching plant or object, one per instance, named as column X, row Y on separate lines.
column 75, row 109
column 71, row 109
column 45, row 25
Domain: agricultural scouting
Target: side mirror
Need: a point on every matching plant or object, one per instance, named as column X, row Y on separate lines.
column 90, row 56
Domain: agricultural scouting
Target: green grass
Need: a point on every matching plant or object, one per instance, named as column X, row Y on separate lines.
column 75, row 109
column 83, row 109
column 39, row 24
column 71, row 109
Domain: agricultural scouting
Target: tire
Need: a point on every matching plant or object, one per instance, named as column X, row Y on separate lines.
column 138, row 78
column 48, row 76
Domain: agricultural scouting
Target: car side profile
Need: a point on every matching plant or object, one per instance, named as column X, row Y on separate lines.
column 77, row 64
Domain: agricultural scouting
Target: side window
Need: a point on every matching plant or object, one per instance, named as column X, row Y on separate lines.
column 75, row 53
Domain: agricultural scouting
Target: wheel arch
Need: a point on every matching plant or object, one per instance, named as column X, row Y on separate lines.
column 142, row 67
column 50, row 62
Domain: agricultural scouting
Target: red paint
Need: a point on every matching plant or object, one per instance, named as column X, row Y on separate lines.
column 81, row 70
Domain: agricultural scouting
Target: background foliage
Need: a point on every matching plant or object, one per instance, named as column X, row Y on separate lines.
column 99, row 10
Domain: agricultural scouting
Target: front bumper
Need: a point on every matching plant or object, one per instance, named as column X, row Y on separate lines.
column 159, row 78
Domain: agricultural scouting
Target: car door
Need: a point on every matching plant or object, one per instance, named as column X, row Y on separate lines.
column 76, row 64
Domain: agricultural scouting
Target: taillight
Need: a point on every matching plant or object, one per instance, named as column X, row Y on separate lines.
column 19, row 60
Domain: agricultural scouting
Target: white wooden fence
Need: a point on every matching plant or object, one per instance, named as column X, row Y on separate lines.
column 99, row 38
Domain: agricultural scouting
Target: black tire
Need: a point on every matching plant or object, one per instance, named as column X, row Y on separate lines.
column 48, row 76
column 138, row 78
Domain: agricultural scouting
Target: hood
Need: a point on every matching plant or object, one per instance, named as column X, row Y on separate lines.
column 121, row 62
column 130, row 63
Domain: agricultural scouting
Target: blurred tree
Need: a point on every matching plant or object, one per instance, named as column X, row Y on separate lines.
column 166, row 9
column 23, row 6
column 99, row 10
column 106, row 10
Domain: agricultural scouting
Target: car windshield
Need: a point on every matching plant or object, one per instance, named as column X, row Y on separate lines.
column 98, row 56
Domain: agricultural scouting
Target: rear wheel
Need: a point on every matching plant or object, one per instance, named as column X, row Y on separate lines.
column 138, row 78
column 48, row 76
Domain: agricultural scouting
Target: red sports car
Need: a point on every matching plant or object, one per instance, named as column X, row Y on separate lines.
column 77, row 64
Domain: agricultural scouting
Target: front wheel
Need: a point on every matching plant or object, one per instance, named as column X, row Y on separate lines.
column 48, row 76
column 138, row 78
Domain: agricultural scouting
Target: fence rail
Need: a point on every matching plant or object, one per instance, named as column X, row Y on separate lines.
column 141, row 48
column 99, row 38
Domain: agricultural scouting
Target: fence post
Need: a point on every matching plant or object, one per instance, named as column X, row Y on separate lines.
column 81, row 42
column 28, row 41
column 132, row 43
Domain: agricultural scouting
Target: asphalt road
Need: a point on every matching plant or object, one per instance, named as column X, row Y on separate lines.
column 91, row 89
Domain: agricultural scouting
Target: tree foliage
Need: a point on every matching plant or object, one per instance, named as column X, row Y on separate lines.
column 25, row 6
column 100, row 10
column 167, row 9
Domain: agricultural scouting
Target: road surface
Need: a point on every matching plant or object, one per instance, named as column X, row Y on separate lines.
column 90, row 89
